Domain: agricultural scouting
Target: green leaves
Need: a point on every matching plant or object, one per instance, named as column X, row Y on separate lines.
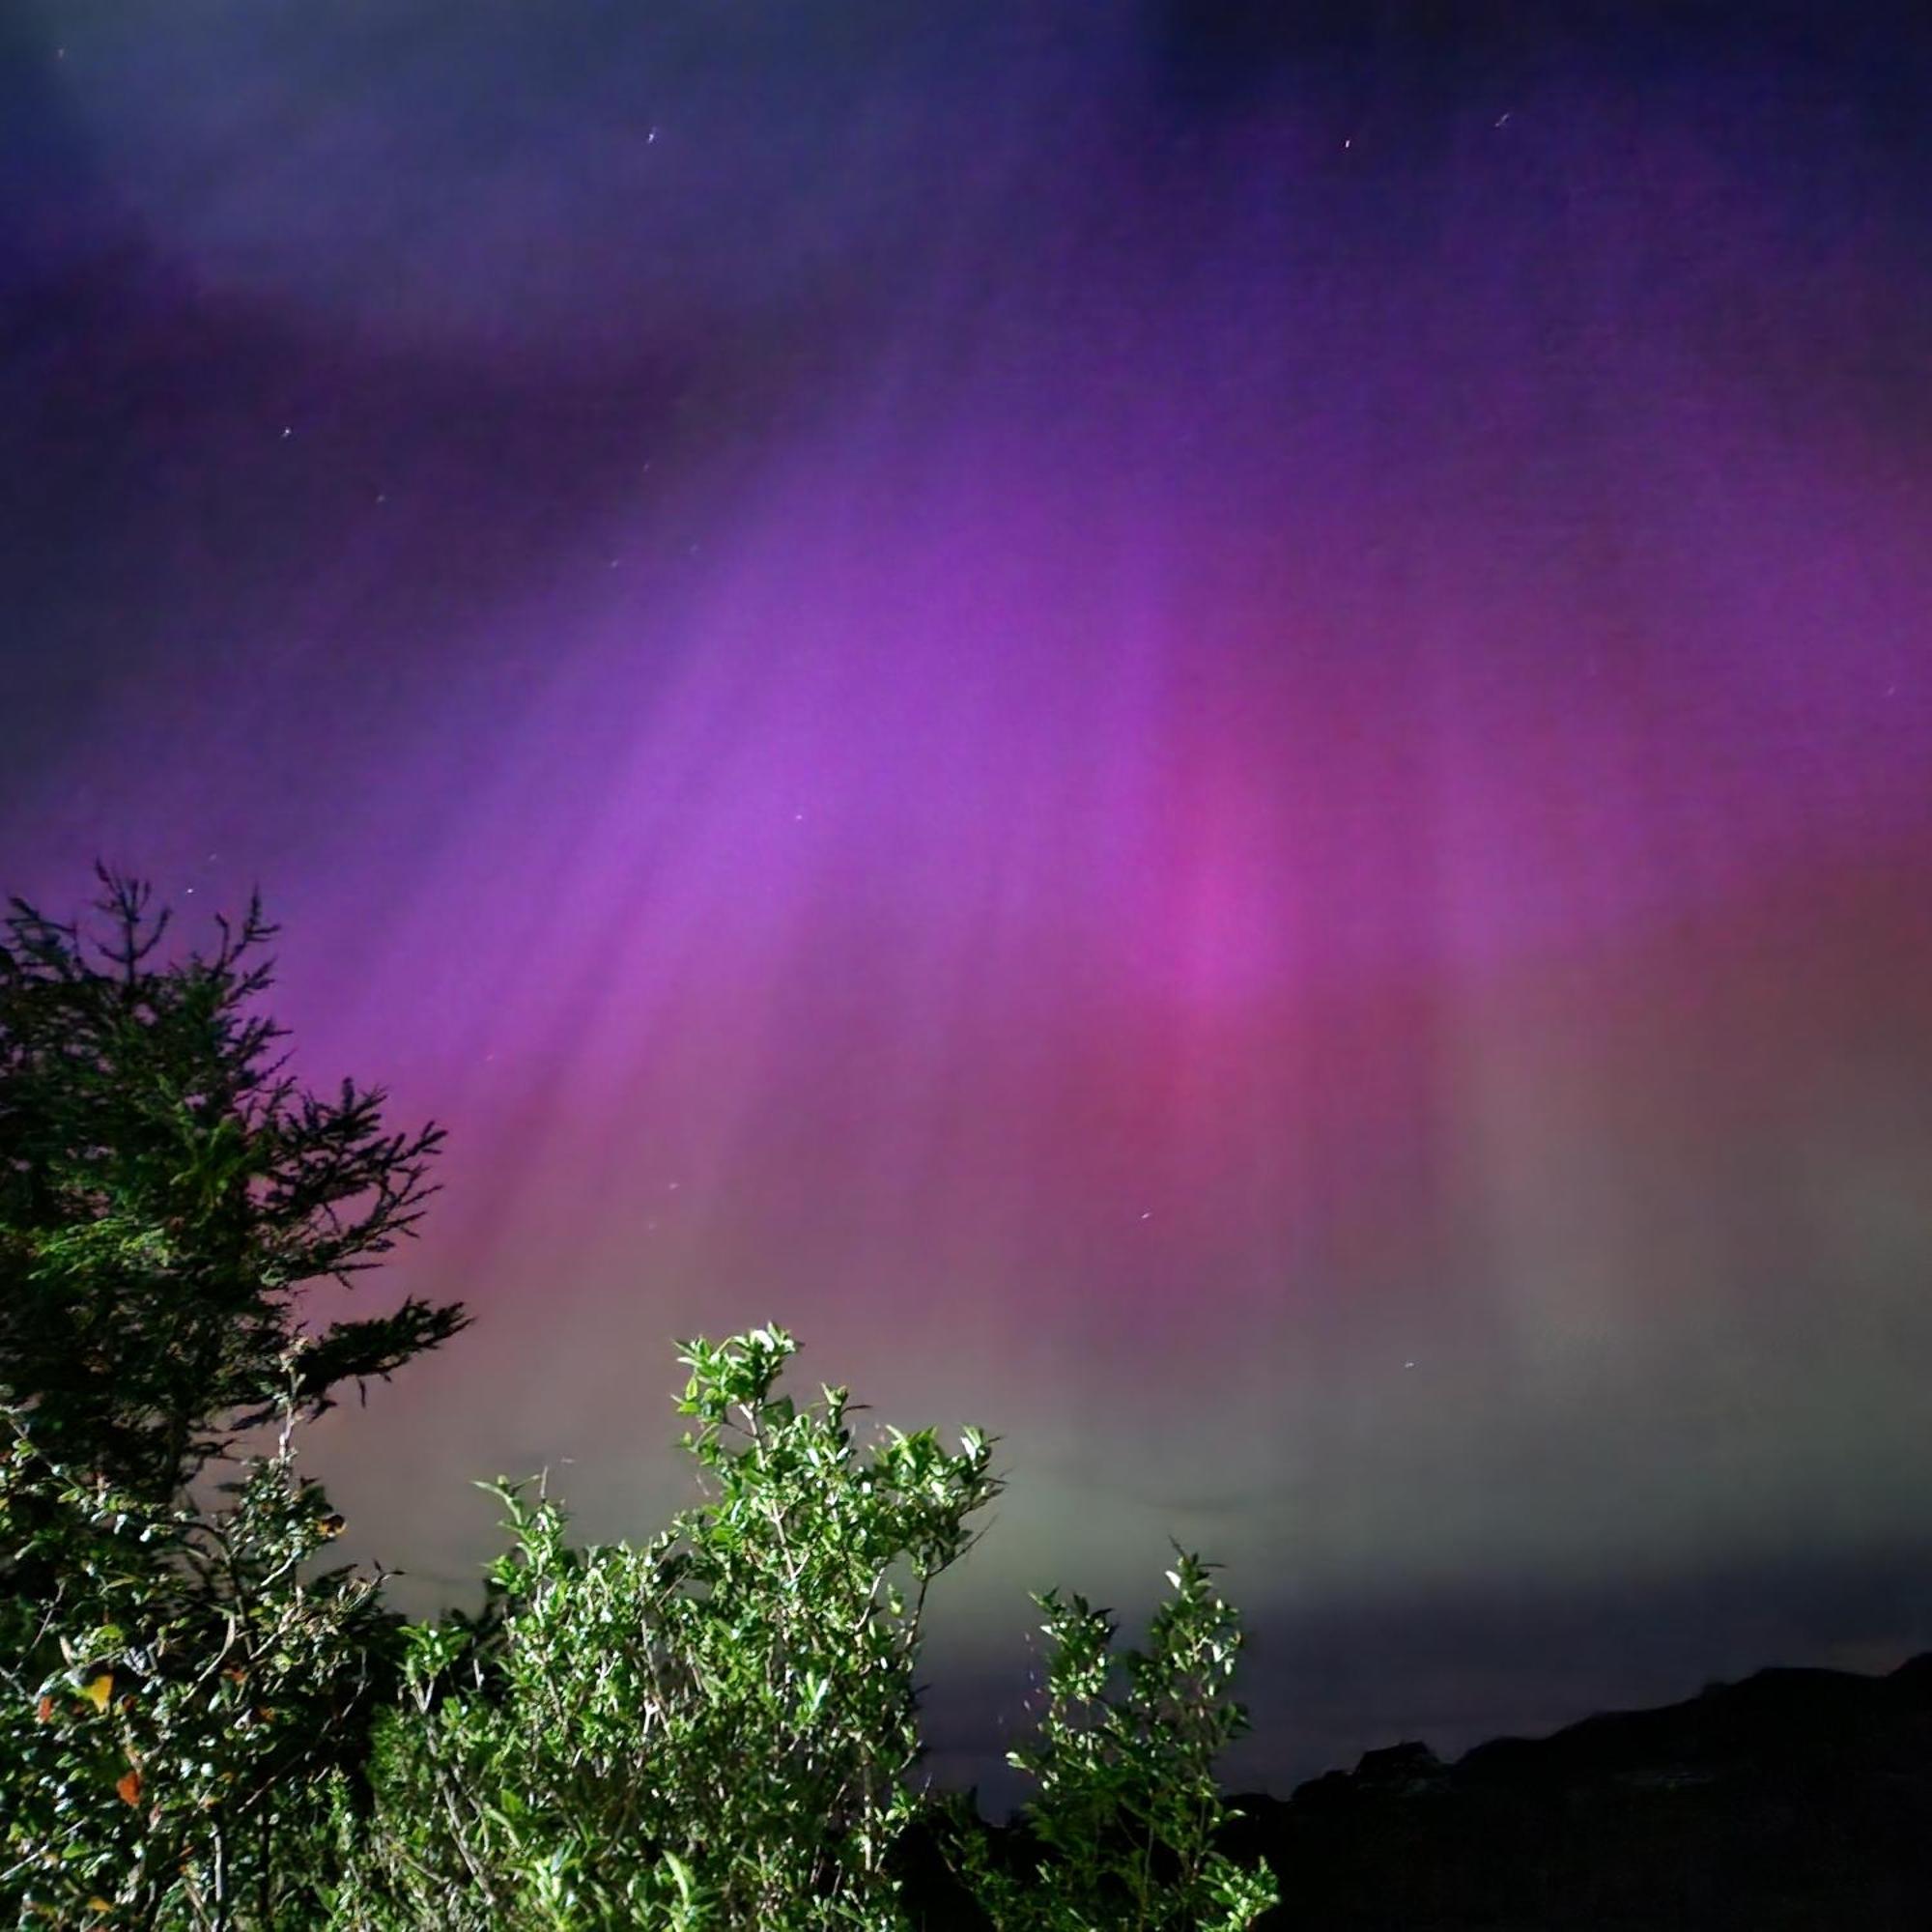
column 1126, row 1804
column 171, row 1714
column 727, row 1715
column 715, row 1731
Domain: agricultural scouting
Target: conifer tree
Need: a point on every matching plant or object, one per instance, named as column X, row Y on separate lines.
column 180, row 1692
column 168, row 1192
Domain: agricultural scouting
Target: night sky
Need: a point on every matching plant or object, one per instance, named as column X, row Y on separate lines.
column 1202, row 730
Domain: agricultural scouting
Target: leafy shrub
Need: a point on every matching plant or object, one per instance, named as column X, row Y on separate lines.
column 607, row 1746
column 706, row 1734
column 176, row 1708
column 1127, row 1807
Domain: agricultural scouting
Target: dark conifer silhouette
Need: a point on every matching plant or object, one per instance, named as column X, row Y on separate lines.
column 167, row 1193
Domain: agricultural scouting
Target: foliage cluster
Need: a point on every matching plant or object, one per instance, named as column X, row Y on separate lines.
column 177, row 1708
column 726, row 1714
column 204, row 1727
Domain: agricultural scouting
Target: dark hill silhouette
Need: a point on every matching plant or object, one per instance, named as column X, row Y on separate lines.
column 1793, row 1799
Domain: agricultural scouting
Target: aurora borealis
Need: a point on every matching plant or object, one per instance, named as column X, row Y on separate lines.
column 1205, row 741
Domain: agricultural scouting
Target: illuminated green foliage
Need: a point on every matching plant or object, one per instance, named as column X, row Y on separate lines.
column 1127, row 1810
column 713, row 1731
column 178, row 1703
column 725, row 1716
